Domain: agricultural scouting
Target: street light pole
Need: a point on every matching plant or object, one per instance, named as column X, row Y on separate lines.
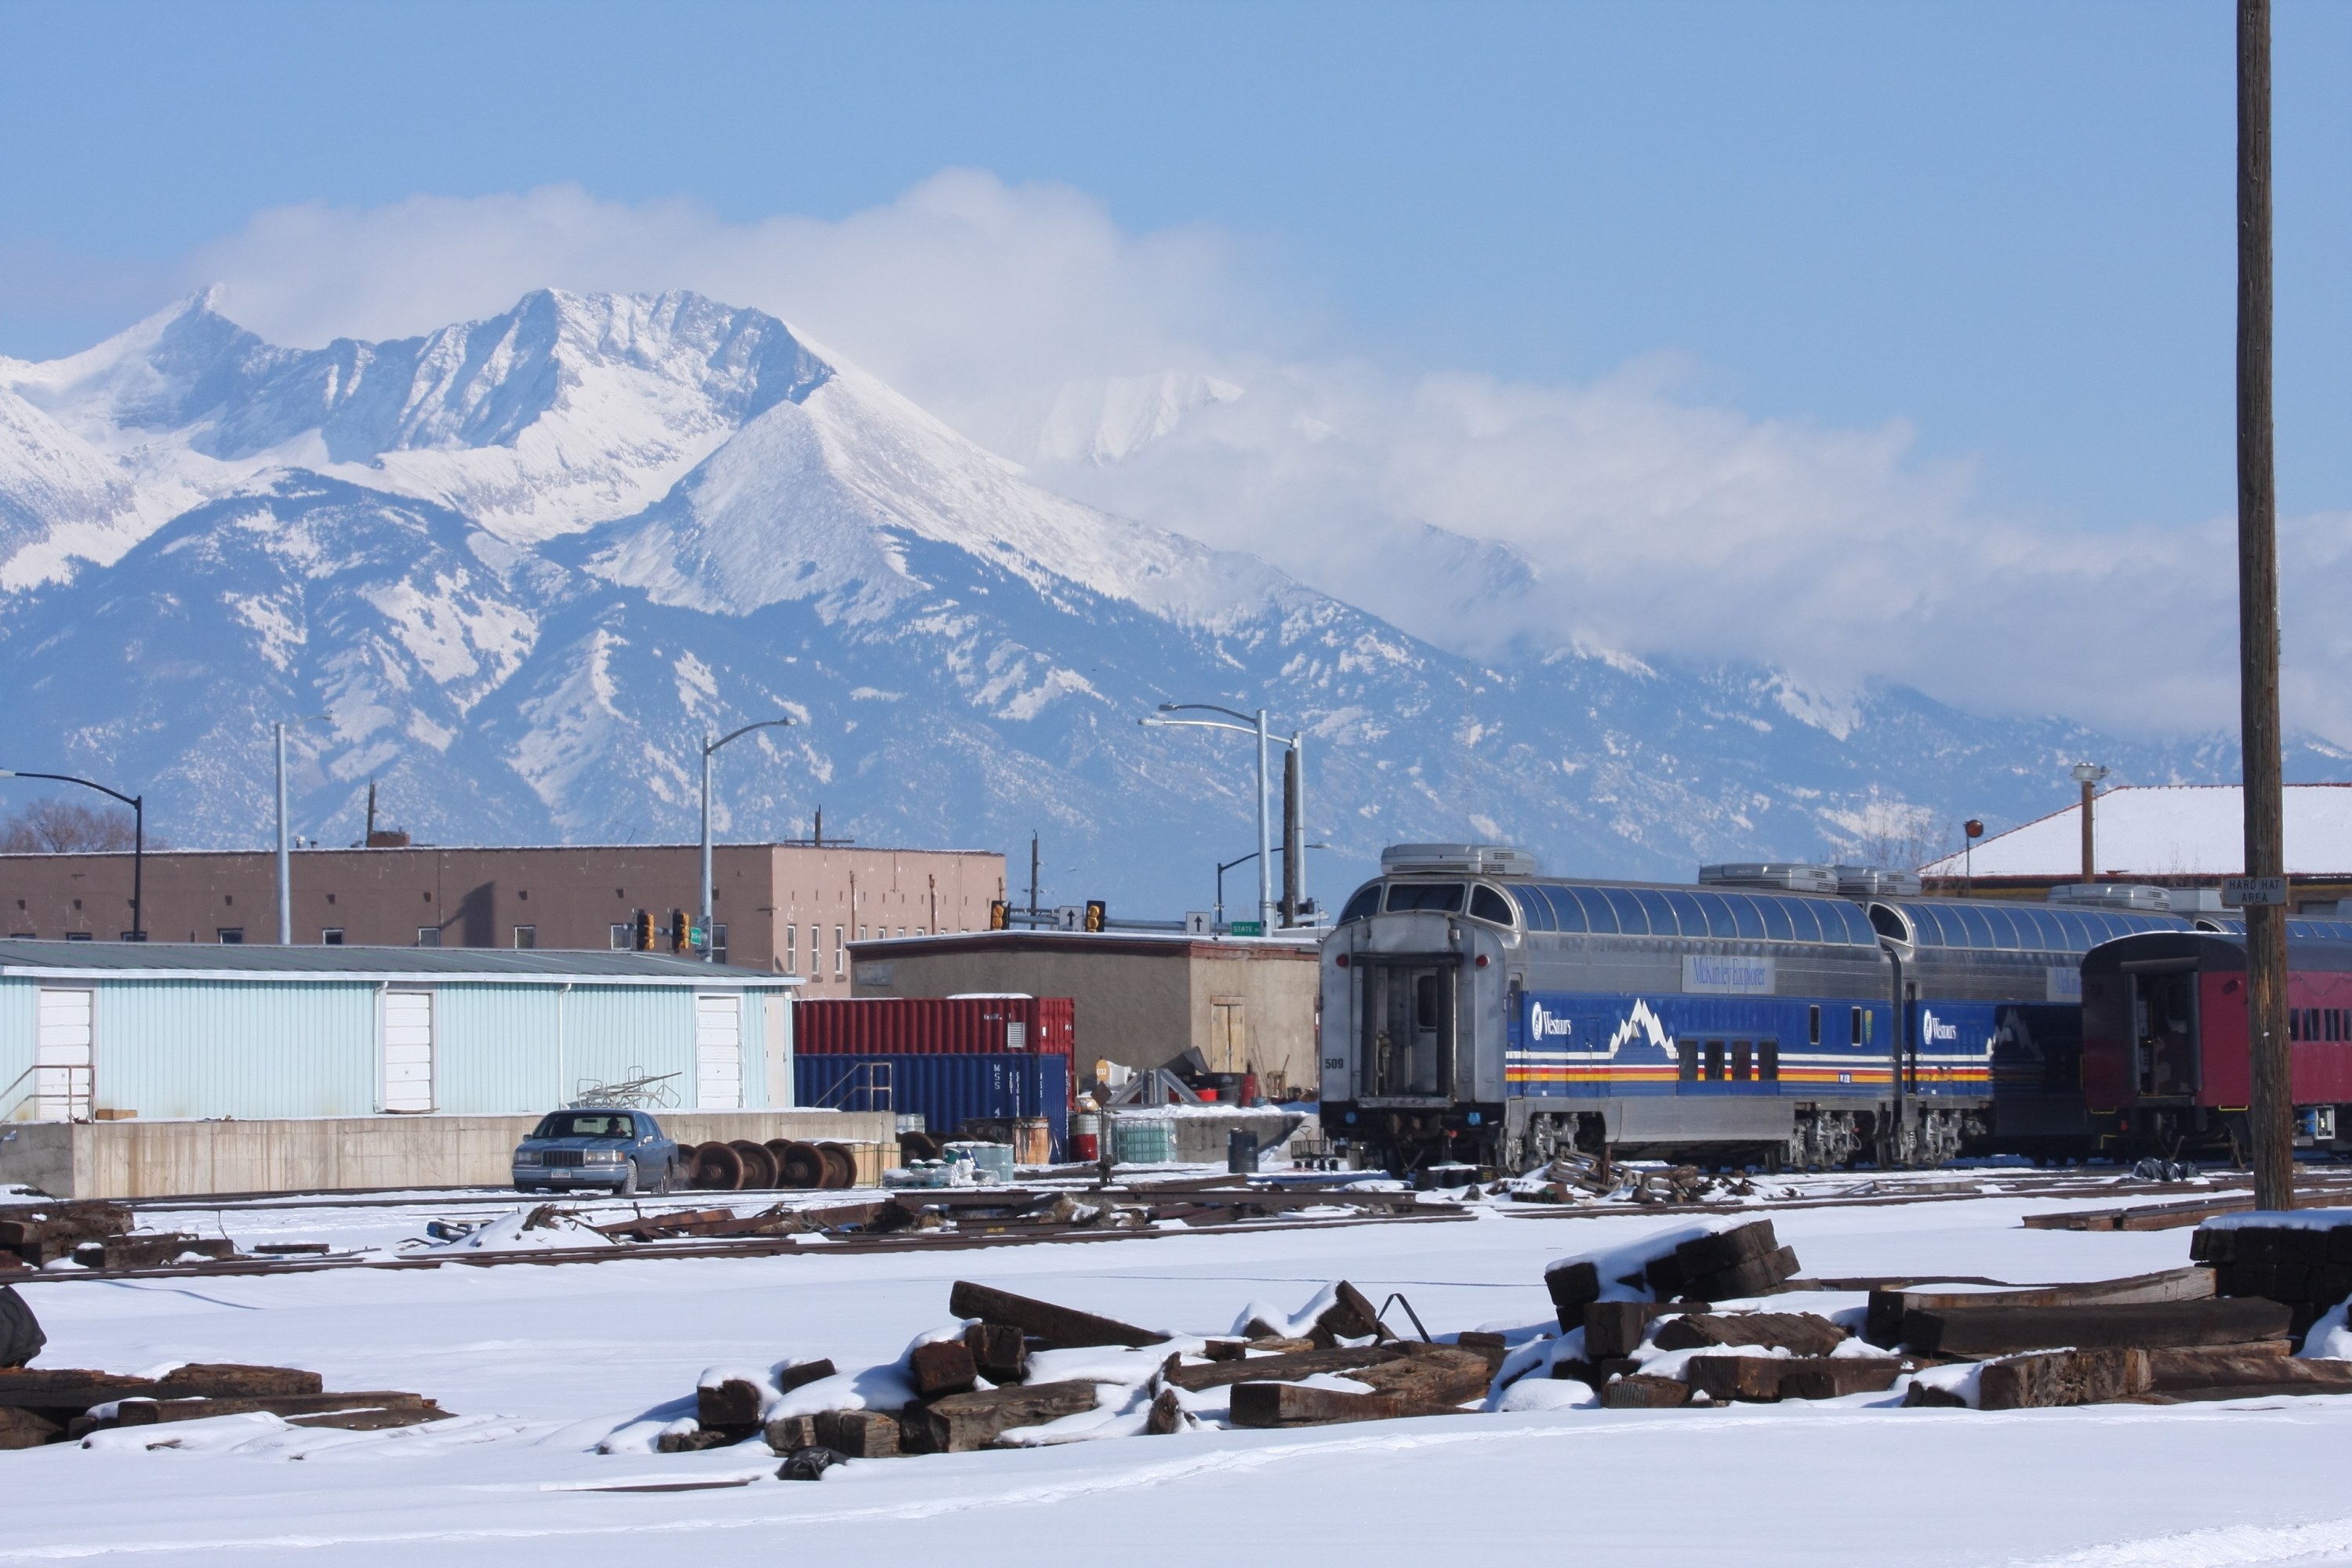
column 285, row 856
column 709, row 942
column 1251, row 724
column 138, row 805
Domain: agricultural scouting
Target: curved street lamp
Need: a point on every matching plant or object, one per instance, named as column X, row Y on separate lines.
column 138, row 805
column 709, row 936
column 1251, row 724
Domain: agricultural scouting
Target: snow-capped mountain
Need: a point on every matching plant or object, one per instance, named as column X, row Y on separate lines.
column 523, row 564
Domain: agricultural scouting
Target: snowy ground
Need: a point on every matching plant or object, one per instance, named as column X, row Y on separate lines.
column 542, row 1362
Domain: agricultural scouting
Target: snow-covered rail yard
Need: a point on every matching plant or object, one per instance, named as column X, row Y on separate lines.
column 564, row 1379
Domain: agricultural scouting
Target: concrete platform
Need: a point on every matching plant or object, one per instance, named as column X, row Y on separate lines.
column 139, row 1159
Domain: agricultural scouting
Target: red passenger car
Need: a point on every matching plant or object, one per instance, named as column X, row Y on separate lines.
column 2166, row 1067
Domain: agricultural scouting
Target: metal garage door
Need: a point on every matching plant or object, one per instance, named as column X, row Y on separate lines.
column 718, row 1052
column 408, row 1050
column 62, row 1056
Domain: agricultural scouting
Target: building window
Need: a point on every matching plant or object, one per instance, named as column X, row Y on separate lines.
column 791, row 949
column 428, row 936
column 78, row 936
column 717, row 942
column 332, row 936
column 526, row 936
column 621, row 939
column 230, row 933
column 840, row 953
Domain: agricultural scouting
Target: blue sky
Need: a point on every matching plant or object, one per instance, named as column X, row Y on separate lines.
column 2007, row 224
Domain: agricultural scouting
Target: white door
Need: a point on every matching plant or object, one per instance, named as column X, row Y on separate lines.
column 62, row 1061
column 408, row 1050
column 718, row 1053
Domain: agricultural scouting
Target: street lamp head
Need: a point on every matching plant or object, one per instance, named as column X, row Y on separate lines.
column 2089, row 773
column 1167, row 707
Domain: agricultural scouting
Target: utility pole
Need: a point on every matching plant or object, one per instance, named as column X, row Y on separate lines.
column 1291, row 849
column 2088, row 775
column 1033, row 879
column 2272, row 1103
column 285, row 855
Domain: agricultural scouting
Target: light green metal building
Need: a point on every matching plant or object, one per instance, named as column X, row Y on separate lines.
column 101, row 1030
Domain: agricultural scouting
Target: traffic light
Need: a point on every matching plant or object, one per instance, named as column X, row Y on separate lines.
column 1000, row 915
column 678, row 934
column 645, row 933
column 1098, row 914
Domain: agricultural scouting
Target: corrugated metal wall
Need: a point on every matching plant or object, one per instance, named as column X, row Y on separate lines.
column 909, row 1026
column 197, row 1048
column 947, row 1089
column 212, row 1048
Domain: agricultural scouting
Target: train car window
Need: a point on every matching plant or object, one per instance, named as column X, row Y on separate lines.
column 1813, row 1022
column 1776, row 917
column 1978, row 925
column 1854, row 1017
column 1600, row 914
column 1930, row 923
column 1887, row 921
column 1661, row 914
column 1485, row 904
column 1857, row 926
column 1632, row 919
column 1745, row 919
column 2070, row 922
column 1534, row 910
column 1715, row 1061
column 1565, row 908
column 1443, row 898
column 1364, row 905
column 1768, row 1060
column 2004, row 930
column 1688, row 916
column 2038, row 931
column 1743, row 1061
column 1804, row 924
column 1720, row 918
column 1687, row 1060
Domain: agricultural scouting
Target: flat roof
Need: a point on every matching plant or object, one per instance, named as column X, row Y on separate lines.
column 2166, row 830
column 259, row 961
column 1171, row 943
column 298, row 850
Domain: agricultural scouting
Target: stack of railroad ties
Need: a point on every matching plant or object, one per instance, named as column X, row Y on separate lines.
column 97, row 1235
column 2180, row 1336
column 971, row 1389
column 39, row 1405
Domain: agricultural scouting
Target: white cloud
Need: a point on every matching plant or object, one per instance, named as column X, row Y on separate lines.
column 1167, row 377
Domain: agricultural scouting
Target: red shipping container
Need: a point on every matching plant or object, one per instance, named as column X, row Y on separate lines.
column 934, row 1025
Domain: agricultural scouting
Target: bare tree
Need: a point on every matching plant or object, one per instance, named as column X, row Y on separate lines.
column 52, row 826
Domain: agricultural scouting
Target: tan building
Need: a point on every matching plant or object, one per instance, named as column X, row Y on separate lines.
column 786, row 908
column 1245, row 1004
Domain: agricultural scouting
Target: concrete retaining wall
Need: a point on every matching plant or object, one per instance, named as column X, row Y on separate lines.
column 136, row 1159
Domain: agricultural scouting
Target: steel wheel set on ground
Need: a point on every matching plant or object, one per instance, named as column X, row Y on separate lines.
column 742, row 1164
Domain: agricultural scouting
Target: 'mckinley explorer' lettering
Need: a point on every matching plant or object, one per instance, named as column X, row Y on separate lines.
column 1708, row 974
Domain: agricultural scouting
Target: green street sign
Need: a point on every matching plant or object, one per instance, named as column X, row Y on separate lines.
column 1247, row 928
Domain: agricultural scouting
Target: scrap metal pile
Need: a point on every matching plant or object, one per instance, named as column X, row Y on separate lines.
column 39, row 1405
column 99, row 1236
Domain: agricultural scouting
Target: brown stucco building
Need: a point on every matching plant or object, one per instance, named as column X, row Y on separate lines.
column 786, row 908
column 1245, row 1004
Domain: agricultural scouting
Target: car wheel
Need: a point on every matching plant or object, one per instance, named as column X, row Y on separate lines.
column 628, row 1187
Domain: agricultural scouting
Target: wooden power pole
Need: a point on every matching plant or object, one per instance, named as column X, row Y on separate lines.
column 2271, row 1108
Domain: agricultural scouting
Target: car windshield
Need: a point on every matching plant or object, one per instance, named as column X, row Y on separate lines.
column 586, row 1124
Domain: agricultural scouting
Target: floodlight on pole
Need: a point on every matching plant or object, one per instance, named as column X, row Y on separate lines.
column 1251, row 724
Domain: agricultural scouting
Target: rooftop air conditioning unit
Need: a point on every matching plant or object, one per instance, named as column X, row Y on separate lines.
column 2196, row 901
column 1467, row 859
column 2139, row 896
column 1872, row 882
column 1770, row 874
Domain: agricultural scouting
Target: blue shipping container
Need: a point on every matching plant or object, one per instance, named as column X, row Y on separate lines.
column 946, row 1089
